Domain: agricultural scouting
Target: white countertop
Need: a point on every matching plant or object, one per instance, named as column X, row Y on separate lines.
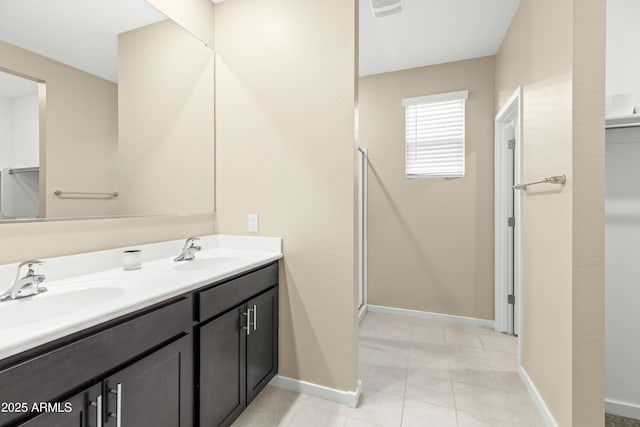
column 88, row 289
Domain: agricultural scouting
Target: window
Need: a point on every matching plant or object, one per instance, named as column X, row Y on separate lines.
column 435, row 135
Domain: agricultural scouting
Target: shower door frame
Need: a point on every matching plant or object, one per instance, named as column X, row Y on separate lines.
column 362, row 231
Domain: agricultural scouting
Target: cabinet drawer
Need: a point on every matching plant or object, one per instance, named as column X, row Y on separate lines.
column 44, row 377
column 223, row 296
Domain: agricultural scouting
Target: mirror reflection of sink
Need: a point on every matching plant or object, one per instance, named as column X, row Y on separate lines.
column 204, row 263
column 55, row 303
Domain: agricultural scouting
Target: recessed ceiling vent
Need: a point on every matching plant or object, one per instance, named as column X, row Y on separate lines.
column 382, row 8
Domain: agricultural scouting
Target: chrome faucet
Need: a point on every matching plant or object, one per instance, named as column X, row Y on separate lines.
column 189, row 251
column 27, row 285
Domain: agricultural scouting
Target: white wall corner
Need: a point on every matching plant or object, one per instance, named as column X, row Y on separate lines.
column 483, row 323
column 348, row 398
column 543, row 409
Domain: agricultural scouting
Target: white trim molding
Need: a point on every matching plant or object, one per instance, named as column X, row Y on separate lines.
column 543, row 409
column 483, row 323
column 622, row 409
column 348, row 398
column 438, row 97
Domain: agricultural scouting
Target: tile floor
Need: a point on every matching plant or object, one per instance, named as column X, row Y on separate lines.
column 415, row 372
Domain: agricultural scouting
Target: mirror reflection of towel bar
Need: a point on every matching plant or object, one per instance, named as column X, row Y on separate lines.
column 558, row 179
column 84, row 195
column 23, row 170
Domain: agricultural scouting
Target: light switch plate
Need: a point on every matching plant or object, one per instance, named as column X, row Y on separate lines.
column 253, row 223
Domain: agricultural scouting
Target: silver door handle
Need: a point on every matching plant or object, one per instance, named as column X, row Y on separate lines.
column 118, row 414
column 255, row 317
column 98, row 406
column 248, row 325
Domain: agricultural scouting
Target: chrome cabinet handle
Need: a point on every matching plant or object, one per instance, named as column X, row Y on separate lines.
column 247, row 327
column 249, row 322
column 98, row 405
column 118, row 414
column 255, row 317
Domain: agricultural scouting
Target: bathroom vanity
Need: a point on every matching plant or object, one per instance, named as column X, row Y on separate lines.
column 193, row 356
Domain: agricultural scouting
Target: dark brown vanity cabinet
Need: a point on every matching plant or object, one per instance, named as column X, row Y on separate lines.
column 149, row 353
column 238, row 353
column 152, row 392
column 78, row 411
column 222, row 382
column 262, row 342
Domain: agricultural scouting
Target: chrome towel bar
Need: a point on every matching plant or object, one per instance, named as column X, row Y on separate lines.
column 84, row 195
column 558, row 179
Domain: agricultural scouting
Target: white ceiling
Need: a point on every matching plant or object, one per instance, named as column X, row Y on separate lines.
column 14, row 87
column 429, row 32
column 83, row 33
column 80, row 33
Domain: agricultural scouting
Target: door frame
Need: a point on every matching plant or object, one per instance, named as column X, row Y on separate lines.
column 511, row 112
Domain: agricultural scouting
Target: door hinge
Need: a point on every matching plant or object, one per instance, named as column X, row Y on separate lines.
column 511, row 221
column 511, row 144
column 511, row 299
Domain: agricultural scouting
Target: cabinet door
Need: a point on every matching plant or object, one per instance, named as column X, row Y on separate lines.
column 222, row 374
column 156, row 391
column 262, row 342
column 74, row 412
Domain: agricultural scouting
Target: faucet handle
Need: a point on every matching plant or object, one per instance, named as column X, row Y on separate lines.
column 30, row 263
column 30, row 269
column 190, row 241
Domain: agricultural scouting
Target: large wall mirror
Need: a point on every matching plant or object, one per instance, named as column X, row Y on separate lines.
column 106, row 108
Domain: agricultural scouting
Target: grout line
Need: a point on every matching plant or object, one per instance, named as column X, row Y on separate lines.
column 403, row 402
column 455, row 405
column 453, row 392
column 482, row 343
column 406, row 376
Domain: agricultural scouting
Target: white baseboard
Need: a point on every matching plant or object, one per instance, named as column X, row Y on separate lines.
column 622, row 409
column 349, row 398
column 537, row 399
column 362, row 313
column 483, row 323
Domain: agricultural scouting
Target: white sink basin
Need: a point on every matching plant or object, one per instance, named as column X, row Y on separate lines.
column 205, row 263
column 58, row 302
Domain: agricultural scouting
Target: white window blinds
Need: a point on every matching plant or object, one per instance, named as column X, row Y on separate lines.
column 435, row 135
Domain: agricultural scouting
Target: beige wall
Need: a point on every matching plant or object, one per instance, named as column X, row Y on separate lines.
column 45, row 239
column 196, row 16
column 65, row 237
column 285, row 87
column 430, row 240
column 166, row 121
column 555, row 50
column 80, row 141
